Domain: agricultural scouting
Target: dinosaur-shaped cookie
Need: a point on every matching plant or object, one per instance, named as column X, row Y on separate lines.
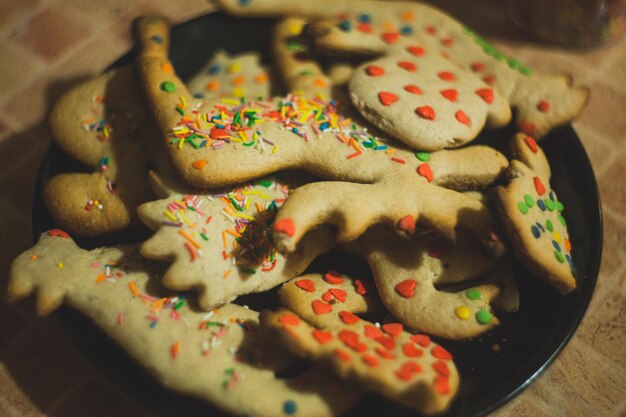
column 220, row 356
column 376, row 27
column 218, row 143
column 219, row 241
column 322, row 324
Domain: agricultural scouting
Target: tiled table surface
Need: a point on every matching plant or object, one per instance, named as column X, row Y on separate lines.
column 47, row 45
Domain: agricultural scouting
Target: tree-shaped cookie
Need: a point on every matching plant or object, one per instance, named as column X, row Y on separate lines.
column 220, row 356
column 322, row 324
column 533, row 218
column 219, row 241
column 215, row 143
column 235, row 76
column 377, row 27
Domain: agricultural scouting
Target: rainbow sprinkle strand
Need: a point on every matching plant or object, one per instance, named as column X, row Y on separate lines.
column 233, row 122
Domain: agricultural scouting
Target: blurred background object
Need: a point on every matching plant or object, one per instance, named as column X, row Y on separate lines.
column 570, row 23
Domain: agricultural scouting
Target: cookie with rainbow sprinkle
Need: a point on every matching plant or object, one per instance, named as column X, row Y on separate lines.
column 214, row 143
column 219, row 241
column 101, row 124
column 533, row 218
column 375, row 27
column 240, row 75
column 321, row 323
column 221, row 356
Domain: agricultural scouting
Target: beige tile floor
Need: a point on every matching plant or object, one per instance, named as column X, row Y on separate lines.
column 47, row 45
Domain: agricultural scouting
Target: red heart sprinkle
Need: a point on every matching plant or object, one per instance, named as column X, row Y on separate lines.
column 370, row 360
column 425, row 112
column 416, row 50
column 384, row 353
column 390, row 37
column 543, row 106
column 58, row 233
column 441, row 368
column 374, row 71
column 322, row 336
column 440, row 353
column 408, row 66
column 321, row 307
column 406, row 288
column 425, row 171
column 290, row 319
column 386, row 98
column 446, row 76
column 411, row 350
column 486, row 94
column 404, row 374
column 450, row 94
column 333, row 277
column 489, row 79
column 413, row 89
column 327, row 296
column 348, row 318
column 441, row 385
column 412, row 366
column 394, row 329
column 351, row 339
column 372, row 331
column 217, row 133
column 342, row 354
column 431, row 30
column 359, row 287
column 339, row 294
column 305, row 285
column 462, row 118
column 421, row 339
column 531, row 143
column 407, row 225
column 477, row 66
column 447, row 41
column 541, row 189
column 285, row 226
column 527, row 127
column 386, row 341
column 364, row 27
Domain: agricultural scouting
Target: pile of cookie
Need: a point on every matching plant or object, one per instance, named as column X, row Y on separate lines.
column 395, row 182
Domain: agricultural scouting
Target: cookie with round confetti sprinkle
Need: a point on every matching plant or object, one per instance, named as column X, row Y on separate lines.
column 406, row 368
column 297, row 69
column 102, row 124
column 409, row 275
column 219, row 241
column 221, row 357
column 372, row 27
column 534, row 221
column 237, row 76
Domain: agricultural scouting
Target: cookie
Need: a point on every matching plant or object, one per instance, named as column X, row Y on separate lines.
column 371, row 27
column 220, row 356
column 238, row 76
column 217, row 143
column 219, row 241
column 404, row 367
column 532, row 217
column 100, row 123
column 296, row 69
column 406, row 273
column 424, row 100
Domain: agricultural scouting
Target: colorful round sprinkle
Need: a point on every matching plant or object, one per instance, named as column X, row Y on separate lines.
column 290, row 407
column 462, row 312
column 522, row 207
column 168, row 86
column 423, row 156
column 483, row 316
column 528, row 199
column 473, row 294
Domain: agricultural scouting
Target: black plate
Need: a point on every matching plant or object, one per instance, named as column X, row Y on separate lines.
column 528, row 341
